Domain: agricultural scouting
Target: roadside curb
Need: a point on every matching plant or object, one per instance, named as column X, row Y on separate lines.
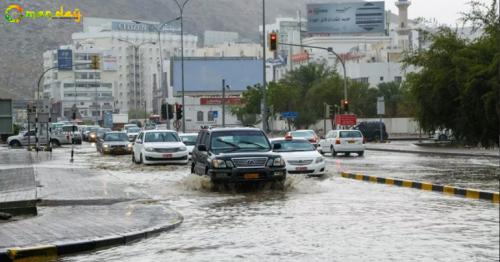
column 449, row 190
column 51, row 252
column 430, row 153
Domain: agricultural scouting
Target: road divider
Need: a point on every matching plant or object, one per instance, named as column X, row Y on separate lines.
column 449, row 190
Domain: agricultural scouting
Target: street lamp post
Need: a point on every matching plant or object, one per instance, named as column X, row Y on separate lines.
column 158, row 28
column 224, row 86
column 136, row 51
column 181, row 10
column 264, row 99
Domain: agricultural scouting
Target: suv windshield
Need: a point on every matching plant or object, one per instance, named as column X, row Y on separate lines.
column 133, row 130
column 189, row 140
column 115, row 137
column 228, row 141
column 161, row 137
column 294, row 145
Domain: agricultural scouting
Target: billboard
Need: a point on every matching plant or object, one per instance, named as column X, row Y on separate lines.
column 64, row 59
column 205, row 74
column 346, row 18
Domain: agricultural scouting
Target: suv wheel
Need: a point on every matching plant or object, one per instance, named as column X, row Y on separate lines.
column 14, row 143
column 192, row 168
column 140, row 159
column 333, row 151
column 55, row 143
column 133, row 158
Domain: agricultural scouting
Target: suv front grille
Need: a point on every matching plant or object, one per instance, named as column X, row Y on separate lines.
column 300, row 162
column 250, row 162
column 167, row 150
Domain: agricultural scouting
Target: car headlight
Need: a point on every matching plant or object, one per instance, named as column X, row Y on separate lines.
column 276, row 162
column 92, row 135
column 219, row 163
column 105, row 146
column 183, row 148
column 150, row 149
column 129, row 145
column 319, row 160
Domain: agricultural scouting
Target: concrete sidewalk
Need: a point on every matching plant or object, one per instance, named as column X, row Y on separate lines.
column 430, row 148
column 78, row 208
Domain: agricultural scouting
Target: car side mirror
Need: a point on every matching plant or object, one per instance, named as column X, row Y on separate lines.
column 138, row 141
column 276, row 146
column 202, row 148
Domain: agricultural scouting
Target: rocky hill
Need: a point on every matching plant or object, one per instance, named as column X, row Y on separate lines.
column 23, row 44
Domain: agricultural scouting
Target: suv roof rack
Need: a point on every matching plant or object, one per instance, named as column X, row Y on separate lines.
column 227, row 125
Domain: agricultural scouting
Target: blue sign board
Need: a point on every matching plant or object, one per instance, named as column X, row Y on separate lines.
column 289, row 114
column 108, row 120
column 215, row 114
column 64, row 59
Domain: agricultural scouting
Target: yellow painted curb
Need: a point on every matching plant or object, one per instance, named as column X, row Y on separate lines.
column 427, row 186
column 33, row 254
column 407, row 183
column 472, row 194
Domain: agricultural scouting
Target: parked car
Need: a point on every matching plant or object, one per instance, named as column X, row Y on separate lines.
column 441, row 135
column 114, row 143
column 310, row 135
column 300, row 155
column 343, row 141
column 22, row 138
column 371, row 130
column 159, row 147
column 65, row 135
column 189, row 139
column 242, row 155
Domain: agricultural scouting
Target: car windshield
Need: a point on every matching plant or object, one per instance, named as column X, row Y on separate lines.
column 304, row 134
column 93, row 129
column 189, row 140
column 349, row 134
column 161, row 137
column 133, row 130
column 103, row 130
column 294, row 145
column 228, row 141
column 115, row 137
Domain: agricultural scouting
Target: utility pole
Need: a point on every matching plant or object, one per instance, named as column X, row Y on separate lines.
column 223, row 102
column 181, row 10
column 264, row 81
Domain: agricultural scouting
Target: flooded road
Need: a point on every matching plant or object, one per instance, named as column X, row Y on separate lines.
column 328, row 219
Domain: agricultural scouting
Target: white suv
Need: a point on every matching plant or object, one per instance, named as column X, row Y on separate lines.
column 159, row 147
column 343, row 141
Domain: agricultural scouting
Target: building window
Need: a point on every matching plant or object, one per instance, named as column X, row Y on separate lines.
column 381, row 78
column 199, row 116
column 210, row 116
column 398, row 79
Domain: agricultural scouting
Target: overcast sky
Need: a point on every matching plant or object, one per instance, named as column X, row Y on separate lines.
column 445, row 11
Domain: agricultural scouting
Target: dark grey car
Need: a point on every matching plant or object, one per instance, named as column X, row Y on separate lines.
column 114, row 143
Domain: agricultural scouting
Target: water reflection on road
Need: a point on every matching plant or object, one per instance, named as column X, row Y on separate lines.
column 329, row 219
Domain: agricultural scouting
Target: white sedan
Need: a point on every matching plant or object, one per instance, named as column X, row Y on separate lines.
column 300, row 155
column 189, row 139
column 159, row 147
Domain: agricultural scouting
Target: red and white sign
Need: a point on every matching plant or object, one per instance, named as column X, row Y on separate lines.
column 345, row 120
column 302, row 57
column 218, row 101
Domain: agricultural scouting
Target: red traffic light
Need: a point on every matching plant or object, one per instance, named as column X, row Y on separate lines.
column 273, row 42
column 346, row 102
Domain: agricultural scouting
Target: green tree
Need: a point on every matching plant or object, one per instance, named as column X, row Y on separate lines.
column 457, row 86
column 249, row 109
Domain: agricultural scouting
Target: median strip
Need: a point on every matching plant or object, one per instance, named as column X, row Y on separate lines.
column 450, row 190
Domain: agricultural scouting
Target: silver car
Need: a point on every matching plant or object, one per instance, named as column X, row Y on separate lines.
column 114, row 143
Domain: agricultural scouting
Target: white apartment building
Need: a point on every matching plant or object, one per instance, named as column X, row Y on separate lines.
column 90, row 91
column 212, row 38
column 136, row 49
column 231, row 49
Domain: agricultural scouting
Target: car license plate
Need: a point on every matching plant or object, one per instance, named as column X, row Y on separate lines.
column 167, row 155
column 351, row 141
column 251, row 176
column 301, row 168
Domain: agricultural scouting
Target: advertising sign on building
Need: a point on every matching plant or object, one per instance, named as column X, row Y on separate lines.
column 346, row 18
column 218, row 101
column 64, row 59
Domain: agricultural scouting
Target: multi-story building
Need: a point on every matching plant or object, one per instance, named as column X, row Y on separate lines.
column 136, row 48
column 79, row 87
column 212, row 38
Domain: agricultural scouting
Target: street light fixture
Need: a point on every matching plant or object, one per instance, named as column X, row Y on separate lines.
column 136, row 51
column 181, row 10
column 158, row 28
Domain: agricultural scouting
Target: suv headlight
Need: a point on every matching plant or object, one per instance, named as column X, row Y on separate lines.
column 149, row 149
column 279, row 161
column 129, row 145
column 219, row 163
column 319, row 160
column 105, row 146
column 183, row 148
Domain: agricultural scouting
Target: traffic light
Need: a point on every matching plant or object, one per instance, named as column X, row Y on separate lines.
column 170, row 111
column 329, row 111
column 163, row 111
column 178, row 111
column 273, row 42
column 345, row 105
column 96, row 62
